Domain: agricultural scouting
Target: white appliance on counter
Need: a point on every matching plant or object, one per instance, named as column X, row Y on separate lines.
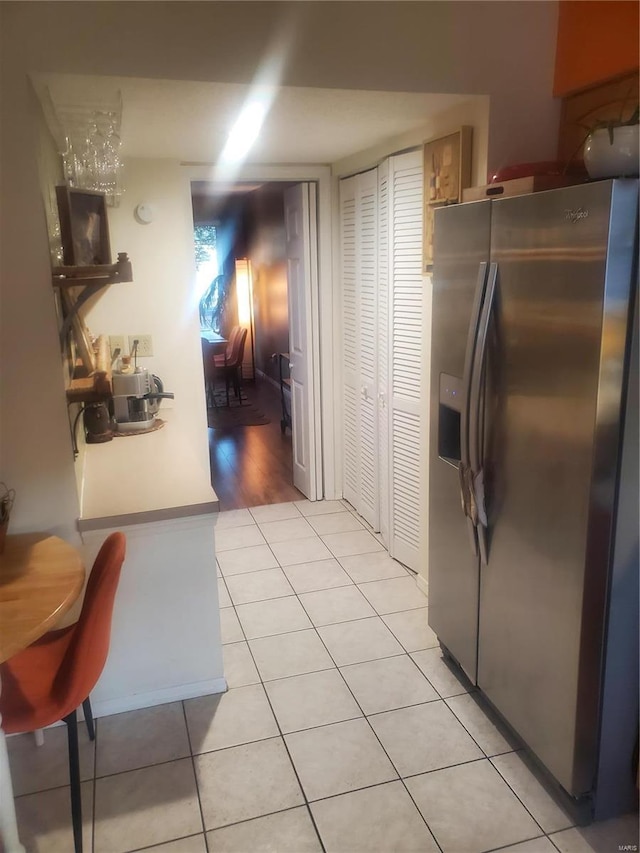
column 136, row 400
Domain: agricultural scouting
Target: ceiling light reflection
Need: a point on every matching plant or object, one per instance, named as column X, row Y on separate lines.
column 246, row 129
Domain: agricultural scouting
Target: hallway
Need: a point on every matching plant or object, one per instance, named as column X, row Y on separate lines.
column 252, row 465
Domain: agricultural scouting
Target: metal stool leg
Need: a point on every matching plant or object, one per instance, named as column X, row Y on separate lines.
column 74, row 775
column 88, row 718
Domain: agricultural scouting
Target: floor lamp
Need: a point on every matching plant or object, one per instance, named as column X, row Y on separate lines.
column 244, row 294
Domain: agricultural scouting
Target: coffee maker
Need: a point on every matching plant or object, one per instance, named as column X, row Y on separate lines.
column 136, row 400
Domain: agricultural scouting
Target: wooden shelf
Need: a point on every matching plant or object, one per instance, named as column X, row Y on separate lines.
column 102, row 274
column 89, row 281
column 92, row 389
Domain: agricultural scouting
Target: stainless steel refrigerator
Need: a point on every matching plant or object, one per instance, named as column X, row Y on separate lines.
column 533, row 475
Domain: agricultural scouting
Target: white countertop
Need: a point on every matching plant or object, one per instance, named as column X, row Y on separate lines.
column 135, row 479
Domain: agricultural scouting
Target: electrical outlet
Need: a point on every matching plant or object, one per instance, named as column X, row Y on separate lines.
column 145, row 345
column 116, row 342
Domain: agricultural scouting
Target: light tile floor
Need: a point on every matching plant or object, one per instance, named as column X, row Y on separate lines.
column 343, row 730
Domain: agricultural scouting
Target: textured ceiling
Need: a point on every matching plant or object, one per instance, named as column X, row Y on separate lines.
column 190, row 121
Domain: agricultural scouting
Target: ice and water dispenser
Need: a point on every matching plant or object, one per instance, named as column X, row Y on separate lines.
column 449, row 418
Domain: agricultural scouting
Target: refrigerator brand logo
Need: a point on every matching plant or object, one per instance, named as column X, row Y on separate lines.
column 576, row 215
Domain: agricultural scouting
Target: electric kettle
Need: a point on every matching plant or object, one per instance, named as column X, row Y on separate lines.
column 157, row 394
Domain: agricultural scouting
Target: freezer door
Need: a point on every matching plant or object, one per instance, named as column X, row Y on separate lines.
column 461, row 249
column 555, row 373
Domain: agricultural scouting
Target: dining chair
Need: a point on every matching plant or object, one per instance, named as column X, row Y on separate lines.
column 213, row 358
column 229, row 365
column 50, row 679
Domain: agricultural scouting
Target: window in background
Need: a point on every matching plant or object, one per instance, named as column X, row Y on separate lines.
column 204, row 238
column 211, row 286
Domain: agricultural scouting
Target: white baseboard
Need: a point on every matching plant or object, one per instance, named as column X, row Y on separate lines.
column 271, row 381
column 261, row 375
column 158, row 697
column 423, row 584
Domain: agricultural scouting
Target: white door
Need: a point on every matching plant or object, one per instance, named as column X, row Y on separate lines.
column 383, row 348
column 406, row 321
column 350, row 345
column 359, row 262
column 383, row 328
column 367, row 208
column 301, row 240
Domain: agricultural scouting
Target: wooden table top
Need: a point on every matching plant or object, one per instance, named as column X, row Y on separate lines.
column 40, row 578
column 213, row 338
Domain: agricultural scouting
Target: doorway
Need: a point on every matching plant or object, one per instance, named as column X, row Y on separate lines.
column 256, row 253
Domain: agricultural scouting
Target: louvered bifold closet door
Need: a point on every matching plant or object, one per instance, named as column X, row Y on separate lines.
column 350, row 342
column 405, row 367
column 359, row 264
column 383, row 348
column 367, row 286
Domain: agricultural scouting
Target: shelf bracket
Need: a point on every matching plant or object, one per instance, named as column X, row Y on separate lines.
column 92, row 279
column 89, row 291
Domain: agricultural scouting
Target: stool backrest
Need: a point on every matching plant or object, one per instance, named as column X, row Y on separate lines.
column 88, row 649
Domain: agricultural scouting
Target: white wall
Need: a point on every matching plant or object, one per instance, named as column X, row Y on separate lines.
column 161, row 300
column 504, row 50
column 35, row 445
column 474, row 112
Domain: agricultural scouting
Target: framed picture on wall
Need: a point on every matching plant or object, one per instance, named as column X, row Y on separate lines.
column 447, row 171
column 83, row 227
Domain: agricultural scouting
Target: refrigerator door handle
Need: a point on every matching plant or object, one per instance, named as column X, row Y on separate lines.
column 466, row 491
column 475, row 420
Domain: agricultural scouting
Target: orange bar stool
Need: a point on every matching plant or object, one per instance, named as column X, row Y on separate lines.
column 49, row 680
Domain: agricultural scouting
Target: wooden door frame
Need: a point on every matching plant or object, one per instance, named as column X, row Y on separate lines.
column 326, row 403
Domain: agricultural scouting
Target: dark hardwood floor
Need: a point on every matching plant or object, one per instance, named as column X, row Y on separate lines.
column 252, row 465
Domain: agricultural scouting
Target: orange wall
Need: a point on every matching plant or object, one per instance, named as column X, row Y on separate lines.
column 597, row 40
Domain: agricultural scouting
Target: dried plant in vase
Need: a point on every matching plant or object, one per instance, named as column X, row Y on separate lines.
column 611, row 146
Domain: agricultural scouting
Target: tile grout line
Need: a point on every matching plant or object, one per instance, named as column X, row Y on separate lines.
column 171, row 841
column 251, row 820
column 517, row 796
column 381, row 744
column 442, row 698
column 484, row 757
column 327, row 624
column 488, row 758
column 378, row 739
column 361, row 716
column 284, row 743
column 307, row 802
column 96, row 726
column 524, row 841
column 286, row 747
column 195, row 776
column 262, row 682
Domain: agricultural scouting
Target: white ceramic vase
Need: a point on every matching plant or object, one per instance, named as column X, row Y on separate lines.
column 618, row 160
